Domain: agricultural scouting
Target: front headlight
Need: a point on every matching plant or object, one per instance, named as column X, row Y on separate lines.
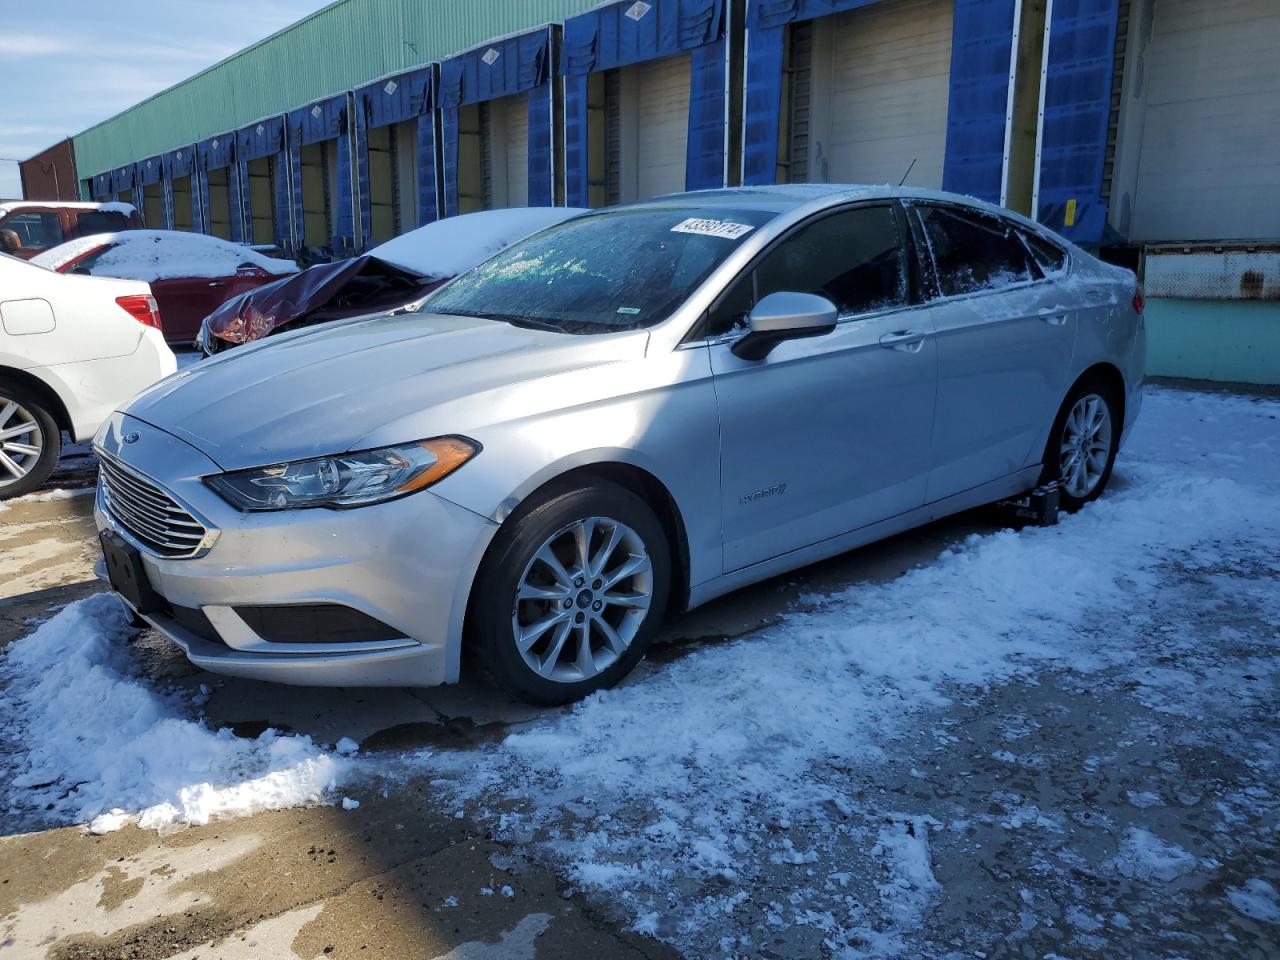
column 345, row 479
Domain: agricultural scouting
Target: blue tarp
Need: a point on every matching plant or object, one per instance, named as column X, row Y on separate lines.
column 122, row 180
column 266, row 138
column 320, row 122
column 627, row 32
column 981, row 47
column 1077, row 109
column 405, row 96
column 100, row 186
column 503, row 68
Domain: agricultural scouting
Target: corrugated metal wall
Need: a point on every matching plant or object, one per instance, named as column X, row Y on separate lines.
column 337, row 48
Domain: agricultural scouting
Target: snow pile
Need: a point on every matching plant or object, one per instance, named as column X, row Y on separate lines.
column 1145, row 856
column 1257, row 899
column 151, row 255
column 97, row 745
column 446, row 248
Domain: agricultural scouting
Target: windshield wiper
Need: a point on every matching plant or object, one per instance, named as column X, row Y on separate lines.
column 531, row 323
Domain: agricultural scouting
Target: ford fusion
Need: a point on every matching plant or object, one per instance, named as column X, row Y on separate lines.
column 618, row 418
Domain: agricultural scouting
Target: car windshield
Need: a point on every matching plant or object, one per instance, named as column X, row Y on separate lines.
column 610, row 271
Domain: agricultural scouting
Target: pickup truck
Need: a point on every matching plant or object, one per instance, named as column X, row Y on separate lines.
column 29, row 227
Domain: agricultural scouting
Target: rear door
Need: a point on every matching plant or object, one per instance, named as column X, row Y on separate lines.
column 1005, row 335
column 831, row 433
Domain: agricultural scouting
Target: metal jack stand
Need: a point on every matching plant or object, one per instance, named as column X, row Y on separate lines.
column 1040, row 506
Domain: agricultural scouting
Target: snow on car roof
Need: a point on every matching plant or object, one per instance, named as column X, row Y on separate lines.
column 153, row 255
column 114, row 206
column 448, row 247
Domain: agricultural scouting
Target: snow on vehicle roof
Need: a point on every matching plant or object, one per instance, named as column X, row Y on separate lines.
column 153, row 255
column 114, row 206
column 448, row 247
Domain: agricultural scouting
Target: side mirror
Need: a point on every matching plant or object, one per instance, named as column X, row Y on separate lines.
column 784, row 316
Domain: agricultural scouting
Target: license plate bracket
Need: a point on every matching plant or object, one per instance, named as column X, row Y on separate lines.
column 127, row 575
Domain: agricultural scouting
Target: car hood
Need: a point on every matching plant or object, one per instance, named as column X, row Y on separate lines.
column 319, row 391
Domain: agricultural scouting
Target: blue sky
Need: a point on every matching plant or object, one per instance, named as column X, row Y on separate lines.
column 67, row 64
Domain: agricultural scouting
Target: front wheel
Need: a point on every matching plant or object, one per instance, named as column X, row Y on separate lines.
column 1083, row 444
column 30, row 442
column 571, row 593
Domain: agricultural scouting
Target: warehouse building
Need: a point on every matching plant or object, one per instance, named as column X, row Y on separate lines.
column 1147, row 129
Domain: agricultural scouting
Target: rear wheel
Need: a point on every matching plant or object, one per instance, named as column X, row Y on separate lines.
column 1083, row 444
column 30, row 442
column 571, row 594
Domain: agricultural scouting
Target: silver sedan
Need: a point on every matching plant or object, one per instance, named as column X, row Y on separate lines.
column 623, row 416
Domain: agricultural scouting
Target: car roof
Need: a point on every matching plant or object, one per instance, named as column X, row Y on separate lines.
column 787, row 197
column 783, row 197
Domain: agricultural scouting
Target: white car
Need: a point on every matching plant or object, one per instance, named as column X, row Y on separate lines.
column 72, row 349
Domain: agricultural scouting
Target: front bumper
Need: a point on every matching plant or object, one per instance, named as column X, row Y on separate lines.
column 408, row 563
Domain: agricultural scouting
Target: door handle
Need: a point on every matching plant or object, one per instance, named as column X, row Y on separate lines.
column 908, row 341
column 1054, row 318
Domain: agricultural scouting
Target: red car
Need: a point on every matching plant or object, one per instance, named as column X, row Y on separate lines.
column 30, row 227
column 191, row 274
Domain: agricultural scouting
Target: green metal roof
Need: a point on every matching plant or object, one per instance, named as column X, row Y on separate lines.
column 335, row 49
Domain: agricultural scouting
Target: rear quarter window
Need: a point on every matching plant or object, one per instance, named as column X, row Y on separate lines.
column 90, row 222
column 1050, row 257
column 973, row 252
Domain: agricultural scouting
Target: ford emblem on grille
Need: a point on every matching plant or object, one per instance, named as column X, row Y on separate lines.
column 131, row 438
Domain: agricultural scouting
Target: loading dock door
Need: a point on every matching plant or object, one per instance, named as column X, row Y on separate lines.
column 319, row 191
column 220, row 203
column 153, row 206
column 509, row 151
column 262, row 199
column 653, row 127
column 1210, row 162
column 393, row 179
column 879, row 88
column 183, row 205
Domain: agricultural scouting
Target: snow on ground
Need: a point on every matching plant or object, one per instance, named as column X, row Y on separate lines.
column 732, row 795
column 677, row 795
column 100, row 746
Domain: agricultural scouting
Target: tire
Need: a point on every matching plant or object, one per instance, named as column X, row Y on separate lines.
column 26, row 458
column 1083, row 443
column 532, row 600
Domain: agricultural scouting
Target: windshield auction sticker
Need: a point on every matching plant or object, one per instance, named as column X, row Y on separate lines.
column 713, row 228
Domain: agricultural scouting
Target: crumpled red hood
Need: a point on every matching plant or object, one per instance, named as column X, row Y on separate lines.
column 325, row 291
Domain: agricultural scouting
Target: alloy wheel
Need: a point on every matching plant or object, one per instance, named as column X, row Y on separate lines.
column 1086, row 445
column 21, row 442
column 582, row 599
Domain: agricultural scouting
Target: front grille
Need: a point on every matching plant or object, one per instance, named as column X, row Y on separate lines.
column 147, row 513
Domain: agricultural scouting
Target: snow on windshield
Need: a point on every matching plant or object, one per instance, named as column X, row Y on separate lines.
column 448, row 247
column 152, row 255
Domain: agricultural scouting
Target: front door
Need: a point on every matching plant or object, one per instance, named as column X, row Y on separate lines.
column 1005, row 337
column 827, row 434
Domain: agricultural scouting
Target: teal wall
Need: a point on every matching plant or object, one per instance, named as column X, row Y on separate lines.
column 1227, row 340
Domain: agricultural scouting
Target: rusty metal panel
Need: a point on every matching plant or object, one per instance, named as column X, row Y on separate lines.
column 1213, row 274
column 336, row 49
column 50, row 174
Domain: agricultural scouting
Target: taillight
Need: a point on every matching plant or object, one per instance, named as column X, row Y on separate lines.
column 1139, row 301
column 142, row 307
